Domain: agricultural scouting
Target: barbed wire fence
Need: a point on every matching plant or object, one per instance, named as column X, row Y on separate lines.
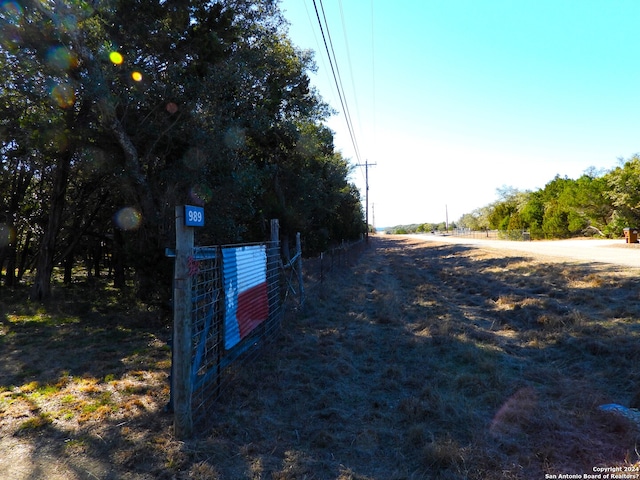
column 229, row 302
column 516, row 235
column 321, row 267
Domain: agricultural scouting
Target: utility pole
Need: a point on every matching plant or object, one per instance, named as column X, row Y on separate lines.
column 366, row 193
column 373, row 215
column 446, row 216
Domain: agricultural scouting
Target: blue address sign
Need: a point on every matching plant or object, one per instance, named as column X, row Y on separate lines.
column 193, row 216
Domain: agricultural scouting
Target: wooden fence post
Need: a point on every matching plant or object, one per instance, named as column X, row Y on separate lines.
column 299, row 262
column 275, row 230
column 181, row 374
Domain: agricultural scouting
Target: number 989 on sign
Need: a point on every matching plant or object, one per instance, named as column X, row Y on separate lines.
column 195, row 216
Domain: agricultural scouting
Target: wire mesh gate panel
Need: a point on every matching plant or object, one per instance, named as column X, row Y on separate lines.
column 236, row 307
column 206, row 315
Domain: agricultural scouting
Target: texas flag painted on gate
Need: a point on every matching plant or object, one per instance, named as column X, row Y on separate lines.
column 245, row 288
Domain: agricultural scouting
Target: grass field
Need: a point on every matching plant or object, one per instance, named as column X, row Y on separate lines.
column 424, row 361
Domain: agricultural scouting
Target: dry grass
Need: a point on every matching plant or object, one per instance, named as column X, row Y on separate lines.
column 425, row 361
column 82, row 380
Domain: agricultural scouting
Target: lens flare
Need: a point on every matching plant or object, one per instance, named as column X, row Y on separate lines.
column 235, row 138
column 12, row 11
column 97, row 160
column 69, row 23
column 63, row 95
column 128, row 218
column 194, row 159
column 172, row 107
column 515, row 413
column 307, row 145
column 56, row 139
column 7, row 235
column 116, row 58
column 137, row 76
column 200, row 194
column 61, row 58
column 10, row 38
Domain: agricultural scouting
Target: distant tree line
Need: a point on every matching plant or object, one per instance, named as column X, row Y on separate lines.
column 112, row 113
column 598, row 203
column 419, row 228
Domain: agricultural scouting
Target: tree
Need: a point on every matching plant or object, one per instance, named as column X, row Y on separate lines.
column 590, row 208
column 533, row 214
column 210, row 104
column 504, row 213
column 624, row 194
column 43, row 85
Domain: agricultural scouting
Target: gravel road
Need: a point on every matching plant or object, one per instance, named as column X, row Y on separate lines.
column 615, row 252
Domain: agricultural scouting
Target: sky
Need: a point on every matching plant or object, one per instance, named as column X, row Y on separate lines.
column 455, row 99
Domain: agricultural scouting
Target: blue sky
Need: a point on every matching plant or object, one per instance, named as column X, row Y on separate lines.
column 453, row 99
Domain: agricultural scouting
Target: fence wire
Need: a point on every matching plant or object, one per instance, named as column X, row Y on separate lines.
column 514, row 235
column 238, row 296
column 207, row 300
column 317, row 269
column 217, row 349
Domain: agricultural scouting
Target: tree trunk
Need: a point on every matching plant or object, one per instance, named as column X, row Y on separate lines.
column 19, row 187
column 68, row 269
column 132, row 165
column 10, row 277
column 24, row 255
column 97, row 257
column 41, row 289
column 119, row 280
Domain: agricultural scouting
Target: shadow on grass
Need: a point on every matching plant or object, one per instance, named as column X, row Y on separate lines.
column 79, row 333
column 439, row 361
column 83, row 380
column 423, row 361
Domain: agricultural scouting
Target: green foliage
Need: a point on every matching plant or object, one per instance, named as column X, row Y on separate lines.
column 209, row 103
column 477, row 220
column 601, row 203
column 420, row 228
column 403, row 229
column 623, row 192
column 425, row 228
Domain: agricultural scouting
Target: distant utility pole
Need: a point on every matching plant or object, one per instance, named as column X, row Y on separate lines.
column 446, row 216
column 366, row 166
column 373, row 215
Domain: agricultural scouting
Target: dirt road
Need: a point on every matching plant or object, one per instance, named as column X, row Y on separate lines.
column 615, row 252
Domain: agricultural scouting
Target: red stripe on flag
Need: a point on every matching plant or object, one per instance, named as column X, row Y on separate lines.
column 253, row 308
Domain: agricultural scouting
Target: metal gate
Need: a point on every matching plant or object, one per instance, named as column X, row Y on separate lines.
column 227, row 304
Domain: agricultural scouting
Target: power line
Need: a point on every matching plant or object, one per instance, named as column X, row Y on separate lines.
column 353, row 85
column 315, row 37
column 336, row 74
column 373, row 73
column 346, row 42
column 346, row 104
